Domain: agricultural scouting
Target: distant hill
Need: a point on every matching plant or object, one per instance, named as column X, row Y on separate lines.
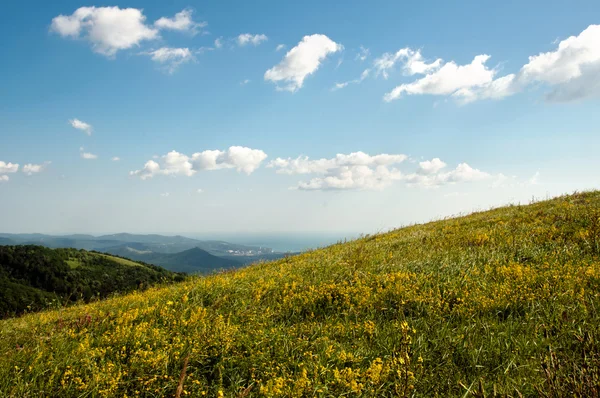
column 34, row 277
column 155, row 243
column 165, row 251
column 194, row 260
column 6, row 241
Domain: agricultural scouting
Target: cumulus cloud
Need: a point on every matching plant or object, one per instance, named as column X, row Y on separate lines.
column 219, row 42
column 242, row 159
column 83, row 126
column 247, row 38
column 431, row 166
column 302, row 60
column 182, row 21
column 356, row 170
column 9, row 167
column 280, row 47
column 108, row 29
column 360, row 171
column 6, row 168
column 571, row 72
column 305, row 165
column 171, row 58
column 573, row 69
column 448, row 79
column 31, row 169
column 355, row 177
column 116, row 159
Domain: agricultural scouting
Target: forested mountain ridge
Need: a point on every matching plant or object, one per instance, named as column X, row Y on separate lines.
column 36, row 277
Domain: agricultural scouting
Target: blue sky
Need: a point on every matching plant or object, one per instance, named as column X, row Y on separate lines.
column 503, row 128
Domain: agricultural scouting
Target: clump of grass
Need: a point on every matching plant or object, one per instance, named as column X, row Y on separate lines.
column 497, row 303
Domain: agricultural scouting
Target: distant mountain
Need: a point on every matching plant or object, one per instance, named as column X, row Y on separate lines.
column 155, row 243
column 176, row 253
column 6, row 241
column 194, row 260
column 35, row 277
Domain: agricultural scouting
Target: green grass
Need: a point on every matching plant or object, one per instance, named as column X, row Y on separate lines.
column 498, row 303
column 74, row 263
column 120, row 260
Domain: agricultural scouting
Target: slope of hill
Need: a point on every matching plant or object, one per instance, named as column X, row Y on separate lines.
column 498, row 303
column 190, row 261
column 35, row 277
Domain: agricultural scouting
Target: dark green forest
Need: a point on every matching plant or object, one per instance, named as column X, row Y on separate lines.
column 34, row 277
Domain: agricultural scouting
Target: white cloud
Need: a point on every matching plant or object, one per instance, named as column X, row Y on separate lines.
column 182, row 21
column 362, row 77
column 242, row 159
column 431, row 166
column 304, row 165
column 301, row 61
column 170, row 57
column 83, row 126
column 6, row 168
column 280, row 47
column 572, row 71
column 360, row 171
column 165, row 194
column 354, row 177
column 9, row 167
column 363, row 53
column 219, row 42
column 448, row 79
column 247, row 38
column 426, row 177
column 200, row 190
column 31, row 168
column 116, row 159
column 244, row 82
column 87, row 155
column 356, row 170
column 108, row 29
column 412, row 59
column 338, row 86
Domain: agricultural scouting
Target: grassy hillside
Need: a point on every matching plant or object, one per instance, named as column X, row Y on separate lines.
column 35, row 277
column 499, row 303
